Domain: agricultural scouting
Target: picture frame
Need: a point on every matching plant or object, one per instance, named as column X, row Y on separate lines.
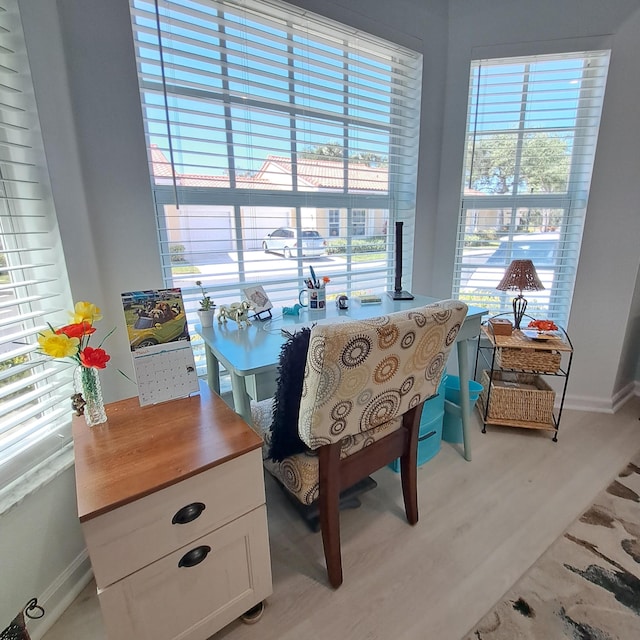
column 259, row 298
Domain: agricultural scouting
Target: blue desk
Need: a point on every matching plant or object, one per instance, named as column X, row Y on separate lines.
column 251, row 355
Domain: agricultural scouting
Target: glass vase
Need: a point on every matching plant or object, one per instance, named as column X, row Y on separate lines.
column 87, row 383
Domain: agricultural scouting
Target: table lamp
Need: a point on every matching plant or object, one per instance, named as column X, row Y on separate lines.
column 520, row 276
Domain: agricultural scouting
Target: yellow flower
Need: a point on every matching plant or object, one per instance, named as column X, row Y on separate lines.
column 58, row 345
column 85, row 312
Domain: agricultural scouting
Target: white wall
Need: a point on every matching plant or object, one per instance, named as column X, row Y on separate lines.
column 42, row 553
column 629, row 370
column 86, row 88
column 610, row 256
column 88, row 98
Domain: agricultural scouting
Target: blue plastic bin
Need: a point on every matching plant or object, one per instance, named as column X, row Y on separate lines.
column 452, row 422
column 430, row 434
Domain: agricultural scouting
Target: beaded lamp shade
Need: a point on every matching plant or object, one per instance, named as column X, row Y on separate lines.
column 520, row 276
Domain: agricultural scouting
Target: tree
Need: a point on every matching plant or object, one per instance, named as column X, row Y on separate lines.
column 333, row 150
column 542, row 166
column 536, row 163
column 545, row 163
column 370, row 159
column 493, row 163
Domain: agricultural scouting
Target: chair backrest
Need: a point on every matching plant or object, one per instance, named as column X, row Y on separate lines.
column 363, row 374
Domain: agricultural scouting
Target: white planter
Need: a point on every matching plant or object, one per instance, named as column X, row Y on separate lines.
column 206, row 318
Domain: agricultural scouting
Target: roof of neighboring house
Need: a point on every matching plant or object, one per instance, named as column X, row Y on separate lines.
column 162, row 169
column 329, row 174
column 320, row 174
column 159, row 163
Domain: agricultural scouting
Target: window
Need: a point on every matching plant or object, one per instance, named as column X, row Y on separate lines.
column 532, row 126
column 358, row 222
column 34, row 392
column 334, row 223
column 261, row 116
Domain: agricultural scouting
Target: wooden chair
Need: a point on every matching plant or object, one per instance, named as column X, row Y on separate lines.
column 364, row 385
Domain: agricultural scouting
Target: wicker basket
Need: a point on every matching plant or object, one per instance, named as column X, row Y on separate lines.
column 544, row 361
column 524, row 397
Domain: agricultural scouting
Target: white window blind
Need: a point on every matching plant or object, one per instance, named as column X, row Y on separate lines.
column 258, row 116
column 532, row 128
column 34, row 392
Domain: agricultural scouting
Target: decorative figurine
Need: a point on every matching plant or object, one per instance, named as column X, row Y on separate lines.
column 237, row 311
column 292, row 311
column 77, row 403
column 342, row 302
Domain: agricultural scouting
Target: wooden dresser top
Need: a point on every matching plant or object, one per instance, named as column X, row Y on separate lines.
column 140, row 450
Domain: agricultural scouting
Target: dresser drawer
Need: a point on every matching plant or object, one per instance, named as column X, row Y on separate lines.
column 132, row 536
column 231, row 572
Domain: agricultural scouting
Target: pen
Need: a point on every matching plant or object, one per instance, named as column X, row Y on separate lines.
column 313, row 278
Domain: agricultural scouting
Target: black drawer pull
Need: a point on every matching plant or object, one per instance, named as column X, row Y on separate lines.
column 426, row 436
column 188, row 513
column 195, row 556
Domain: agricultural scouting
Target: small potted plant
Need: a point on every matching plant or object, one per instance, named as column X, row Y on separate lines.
column 207, row 308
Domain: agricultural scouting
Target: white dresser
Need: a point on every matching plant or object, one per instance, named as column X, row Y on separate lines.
column 172, row 505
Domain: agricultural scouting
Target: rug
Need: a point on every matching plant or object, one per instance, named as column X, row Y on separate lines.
column 586, row 586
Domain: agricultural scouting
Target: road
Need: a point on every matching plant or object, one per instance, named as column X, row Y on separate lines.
column 257, row 263
column 260, row 267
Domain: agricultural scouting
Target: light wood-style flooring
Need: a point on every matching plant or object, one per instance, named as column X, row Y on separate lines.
column 482, row 524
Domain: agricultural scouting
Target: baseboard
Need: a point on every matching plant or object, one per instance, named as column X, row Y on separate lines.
column 603, row 405
column 625, row 394
column 58, row 596
column 588, row 403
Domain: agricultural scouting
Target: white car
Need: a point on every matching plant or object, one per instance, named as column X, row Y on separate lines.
column 540, row 248
column 286, row 241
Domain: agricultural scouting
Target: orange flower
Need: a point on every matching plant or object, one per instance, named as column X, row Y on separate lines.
column 543, row 325
column 77, row 330
column 96, row 358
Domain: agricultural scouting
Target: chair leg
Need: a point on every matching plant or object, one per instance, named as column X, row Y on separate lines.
column 409, row 466
column 409, row 473
column 329, row 503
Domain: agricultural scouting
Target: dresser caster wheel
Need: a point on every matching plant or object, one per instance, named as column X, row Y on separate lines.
column 254, row 614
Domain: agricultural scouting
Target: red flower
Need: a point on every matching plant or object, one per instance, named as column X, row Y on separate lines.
column 544, row 325
column 96, row 358
column 77, row 330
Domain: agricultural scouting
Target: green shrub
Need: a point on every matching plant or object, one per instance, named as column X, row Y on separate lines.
column 4, row 275
column 358, row 245
column 9, row 364
column 482, row 238
column 177, row 252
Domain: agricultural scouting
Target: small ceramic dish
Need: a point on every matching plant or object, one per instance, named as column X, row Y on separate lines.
column 533, row 334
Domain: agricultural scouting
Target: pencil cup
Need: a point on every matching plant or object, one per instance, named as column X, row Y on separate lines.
column 316, row 298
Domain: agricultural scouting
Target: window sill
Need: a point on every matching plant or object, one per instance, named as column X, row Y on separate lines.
column 14, row 493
